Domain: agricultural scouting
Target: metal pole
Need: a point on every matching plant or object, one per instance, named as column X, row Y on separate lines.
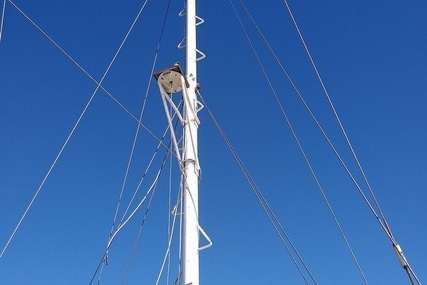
column 191, row 202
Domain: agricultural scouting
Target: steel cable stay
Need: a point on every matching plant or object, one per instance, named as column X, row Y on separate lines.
column 298, row 142
column 75, row 125
column 150, row 190
column 99, row 86
column 175, row 115
column 171, row 225
column 171, row 230
column 76, row 63
column 146, row 172
column 280, row 231
column 381, row 220
column 137, row 239
column 153, row 156
column 123, row 219
column 405, row 264
column 153, row 186
column 2, row 18
column 169, row 216
column 79, row 66
column 288, row 122
column 260, row 197
column 180, row 206
column 138, row 127
column 138, row 187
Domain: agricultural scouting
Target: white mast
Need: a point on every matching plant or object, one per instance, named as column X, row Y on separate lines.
column 172, row 80
column 191, row 172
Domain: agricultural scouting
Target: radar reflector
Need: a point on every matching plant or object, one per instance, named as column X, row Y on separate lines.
column 170, row 79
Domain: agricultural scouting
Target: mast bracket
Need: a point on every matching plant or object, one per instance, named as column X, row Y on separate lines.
column 209, row 244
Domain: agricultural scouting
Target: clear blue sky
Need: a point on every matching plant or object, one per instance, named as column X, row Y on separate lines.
column 372, row 57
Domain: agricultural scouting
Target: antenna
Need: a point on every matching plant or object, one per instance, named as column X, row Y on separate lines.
column 172, row 80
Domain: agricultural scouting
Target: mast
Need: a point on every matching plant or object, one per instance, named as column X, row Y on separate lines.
column 173, row 80
column 191, row 172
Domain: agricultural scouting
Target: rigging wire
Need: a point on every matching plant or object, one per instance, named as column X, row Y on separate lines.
column 153, row 156
column 85, row 71
column 143, row 222
column 98, row 86
column 295, row 135
column 167, row 253
column 283, row 236
column 121, row 226
column 383, row 223
column 169, row 211
column 181, row 234
column 334, row 150
column 160, row 143
column 149, row 203
column 140, row 124
column 333, row 109
column 170, row 230
column 2, row 18
column 169, row 151
column 137, row 238
column 142, row 111
column 64, row 144
column 105, row 261
column 135, row 136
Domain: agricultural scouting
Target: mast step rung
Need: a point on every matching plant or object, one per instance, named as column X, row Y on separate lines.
column 182, row 44
column 202, row 55
column 200, row 20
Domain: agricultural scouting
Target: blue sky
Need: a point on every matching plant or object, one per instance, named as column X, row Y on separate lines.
column 371, row 56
